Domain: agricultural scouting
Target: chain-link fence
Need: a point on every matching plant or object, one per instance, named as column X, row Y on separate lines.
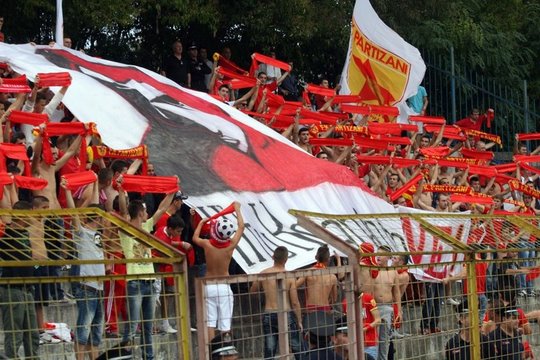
column 82, row 282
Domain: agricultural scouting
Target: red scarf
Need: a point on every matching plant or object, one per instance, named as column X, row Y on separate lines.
column 436, row 120
column 319, row 265
column 21, row 117
column 138, row 152
column 523, row 137
column 390, row 129
column 54, row 79
column 259, row 58
column 76, row 180
column 370, row 109
column 396, row 194
column 320, row 90
column 149, row 184
column 17, row 85
column 220, row 244
column 17, row 152
column 30, row 183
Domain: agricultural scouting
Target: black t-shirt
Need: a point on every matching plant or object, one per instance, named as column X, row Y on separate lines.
column 15, row 245
column 176, row 69
column 458, row 349
column 198, row 70
column 506, row 347
column 505, row 281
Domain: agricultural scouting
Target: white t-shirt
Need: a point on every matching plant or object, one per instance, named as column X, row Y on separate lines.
column 90, row 247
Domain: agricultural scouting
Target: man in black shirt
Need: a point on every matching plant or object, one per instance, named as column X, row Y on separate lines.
column 17, row 300
column 176, row 68
column 505, row 338
column 459, row 345
column 197, row 69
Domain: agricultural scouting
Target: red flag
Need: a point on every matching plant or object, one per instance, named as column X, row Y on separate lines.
column 16, row 85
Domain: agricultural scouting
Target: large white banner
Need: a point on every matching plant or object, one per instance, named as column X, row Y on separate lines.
column 219, row 153
column 380, row 66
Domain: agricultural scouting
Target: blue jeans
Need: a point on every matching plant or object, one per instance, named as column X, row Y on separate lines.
column 482, row 306
column 527, row 254
column 91, row 317
column 141, row 300
column 386, row 311
column 270, row 330
column 431, row 310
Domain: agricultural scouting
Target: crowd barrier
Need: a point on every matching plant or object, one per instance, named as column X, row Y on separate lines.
column 58, row 259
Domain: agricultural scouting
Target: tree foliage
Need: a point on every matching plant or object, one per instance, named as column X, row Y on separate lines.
column 497, row 38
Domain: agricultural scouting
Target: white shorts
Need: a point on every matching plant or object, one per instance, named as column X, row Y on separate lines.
column 219, row 306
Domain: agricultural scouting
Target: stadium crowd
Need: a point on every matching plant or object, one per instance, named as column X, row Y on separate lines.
column 52, row 161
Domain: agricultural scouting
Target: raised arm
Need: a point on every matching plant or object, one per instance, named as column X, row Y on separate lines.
column 70, row 152
column 70, row 204
column 240, row 230
column 197, row 234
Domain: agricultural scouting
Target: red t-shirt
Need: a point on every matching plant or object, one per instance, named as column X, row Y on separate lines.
column 368, row 305
column 467, row 123
column 162, row 222
column 162, row 235
column 269, row 88
column 481, row 275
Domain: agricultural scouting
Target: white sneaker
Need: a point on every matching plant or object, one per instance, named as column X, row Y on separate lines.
column 46, row 338
column 168, row 330
column 451, row 301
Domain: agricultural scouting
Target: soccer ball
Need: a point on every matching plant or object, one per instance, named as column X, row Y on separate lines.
column 225, row 229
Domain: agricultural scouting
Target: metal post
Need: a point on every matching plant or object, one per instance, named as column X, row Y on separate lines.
column 453, row 84
column 472, row 297
column 283, row 318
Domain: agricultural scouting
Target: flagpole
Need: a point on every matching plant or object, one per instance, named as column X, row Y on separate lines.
column 59, row 34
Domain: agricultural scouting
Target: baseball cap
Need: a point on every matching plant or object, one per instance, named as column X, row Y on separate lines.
column 180, row 195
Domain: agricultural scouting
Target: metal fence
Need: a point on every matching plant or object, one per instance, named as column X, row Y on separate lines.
column 448, row 271
column 454, row 90
column 65, row 292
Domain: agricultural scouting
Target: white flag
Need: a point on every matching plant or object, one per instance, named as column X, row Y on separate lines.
column 381, row 67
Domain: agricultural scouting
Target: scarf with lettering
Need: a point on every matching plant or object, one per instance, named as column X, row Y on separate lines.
column 138, row 152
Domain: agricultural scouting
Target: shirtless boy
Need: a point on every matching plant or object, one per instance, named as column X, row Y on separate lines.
column 218, row 251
